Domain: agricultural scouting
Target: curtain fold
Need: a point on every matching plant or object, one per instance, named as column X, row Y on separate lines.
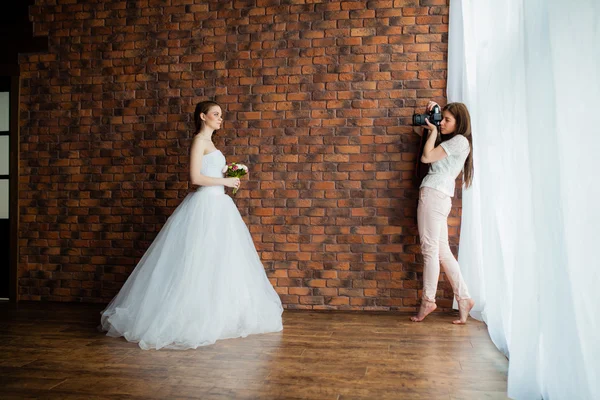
column 529, row 73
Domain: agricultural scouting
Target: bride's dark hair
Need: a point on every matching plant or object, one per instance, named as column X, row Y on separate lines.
column 202, row 108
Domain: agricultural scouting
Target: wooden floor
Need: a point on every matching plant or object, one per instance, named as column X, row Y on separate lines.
column 53, row 351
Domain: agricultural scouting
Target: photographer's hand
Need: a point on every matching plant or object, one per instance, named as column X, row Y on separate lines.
column 430, row 106
column 432, row 128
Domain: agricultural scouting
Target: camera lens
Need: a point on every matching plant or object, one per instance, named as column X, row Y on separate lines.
column 418, row 119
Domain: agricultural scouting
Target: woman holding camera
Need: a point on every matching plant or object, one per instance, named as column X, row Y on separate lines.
column 448, row 155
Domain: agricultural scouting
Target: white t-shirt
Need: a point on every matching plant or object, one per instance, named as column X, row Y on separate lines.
column 443, row 173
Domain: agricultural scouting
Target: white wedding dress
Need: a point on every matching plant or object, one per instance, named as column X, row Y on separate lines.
column 201, row 280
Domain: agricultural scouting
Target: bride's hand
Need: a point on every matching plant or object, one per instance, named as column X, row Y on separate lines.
column 232, row 182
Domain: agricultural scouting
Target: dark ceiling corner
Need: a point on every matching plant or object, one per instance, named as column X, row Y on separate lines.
column 16, row 33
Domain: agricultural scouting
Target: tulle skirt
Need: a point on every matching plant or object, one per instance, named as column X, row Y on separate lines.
column 201, row 280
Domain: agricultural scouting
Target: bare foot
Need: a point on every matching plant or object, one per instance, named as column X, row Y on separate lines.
column 426, row 308
column 464, row 307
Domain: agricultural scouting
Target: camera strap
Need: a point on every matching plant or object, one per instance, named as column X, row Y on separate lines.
column 421, row 169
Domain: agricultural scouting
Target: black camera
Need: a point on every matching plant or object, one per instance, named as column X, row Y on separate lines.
column 434, row 116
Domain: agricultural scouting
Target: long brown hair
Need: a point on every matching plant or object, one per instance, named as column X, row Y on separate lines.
column 463, row 127
column 202, row 108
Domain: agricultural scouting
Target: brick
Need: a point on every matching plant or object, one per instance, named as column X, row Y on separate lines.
column 318, row 106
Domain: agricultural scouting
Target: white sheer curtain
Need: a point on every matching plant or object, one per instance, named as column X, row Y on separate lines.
column 529, row 71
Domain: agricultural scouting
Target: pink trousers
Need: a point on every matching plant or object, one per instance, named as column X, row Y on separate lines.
column 432, row 216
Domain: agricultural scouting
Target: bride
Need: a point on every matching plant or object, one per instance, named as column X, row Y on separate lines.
column 201, row 280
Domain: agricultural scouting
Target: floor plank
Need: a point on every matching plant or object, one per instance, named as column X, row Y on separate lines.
column 54, row 351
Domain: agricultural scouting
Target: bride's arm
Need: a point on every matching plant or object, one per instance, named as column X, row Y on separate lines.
column 196, row 178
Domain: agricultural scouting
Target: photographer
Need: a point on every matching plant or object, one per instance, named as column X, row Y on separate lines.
column 447, row 159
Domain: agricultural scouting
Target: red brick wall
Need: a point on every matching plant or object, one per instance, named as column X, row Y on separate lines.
column 317, row 99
